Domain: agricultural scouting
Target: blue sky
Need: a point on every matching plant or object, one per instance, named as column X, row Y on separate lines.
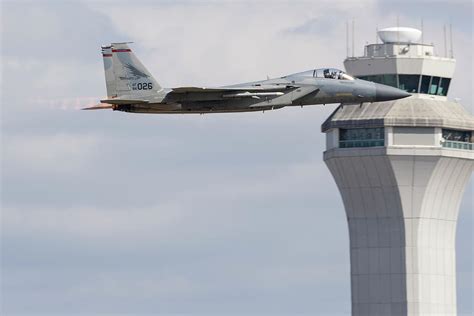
column 106, row 212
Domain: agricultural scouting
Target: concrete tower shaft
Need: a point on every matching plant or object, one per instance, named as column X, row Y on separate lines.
column 402, row 228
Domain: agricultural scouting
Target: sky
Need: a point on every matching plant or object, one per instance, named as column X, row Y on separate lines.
column 227, row 214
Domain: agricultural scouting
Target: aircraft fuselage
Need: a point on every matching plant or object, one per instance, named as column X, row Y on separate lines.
column 300, row 91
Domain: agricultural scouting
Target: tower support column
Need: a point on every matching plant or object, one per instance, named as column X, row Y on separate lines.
column 401, row 206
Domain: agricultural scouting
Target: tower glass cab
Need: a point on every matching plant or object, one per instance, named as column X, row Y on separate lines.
column 402, row 62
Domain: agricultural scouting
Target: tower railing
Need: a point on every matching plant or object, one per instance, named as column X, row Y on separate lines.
column 457, row 145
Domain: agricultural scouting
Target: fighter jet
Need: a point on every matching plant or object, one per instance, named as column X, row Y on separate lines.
column 131, row 88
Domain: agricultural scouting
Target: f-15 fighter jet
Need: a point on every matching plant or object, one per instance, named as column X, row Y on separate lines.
column 131, row 88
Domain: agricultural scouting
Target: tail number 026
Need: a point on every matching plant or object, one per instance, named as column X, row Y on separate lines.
column 144, row 86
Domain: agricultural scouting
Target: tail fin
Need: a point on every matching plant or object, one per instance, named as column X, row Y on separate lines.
column 125, row 74
column 109, row 71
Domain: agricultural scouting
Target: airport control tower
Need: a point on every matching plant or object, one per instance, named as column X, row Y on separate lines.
column 401, row 168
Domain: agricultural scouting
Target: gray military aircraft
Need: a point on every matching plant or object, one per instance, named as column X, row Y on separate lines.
column 131, row 88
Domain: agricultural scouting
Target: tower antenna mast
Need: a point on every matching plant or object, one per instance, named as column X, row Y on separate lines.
column 376, row 34
column 347, row 38
column 451, row 39
column 353, row 35
column 422, row 39
column 445, row 43
column 398, row 28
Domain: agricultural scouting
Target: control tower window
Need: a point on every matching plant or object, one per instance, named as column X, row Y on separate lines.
column 409, row 83
column 361, row 137
column 425, row 84
column 458, row 136
column 388, row 79
column 434, row 85
column 457, row 139
column 443, row 86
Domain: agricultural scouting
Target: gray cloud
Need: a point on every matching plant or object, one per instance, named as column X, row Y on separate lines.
column 327, row 24
column 54, row 31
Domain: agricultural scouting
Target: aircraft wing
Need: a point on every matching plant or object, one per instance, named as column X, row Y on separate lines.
column 253, row 88
column 231, row 92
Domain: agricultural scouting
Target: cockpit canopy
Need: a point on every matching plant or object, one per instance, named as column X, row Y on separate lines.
column 328, row 73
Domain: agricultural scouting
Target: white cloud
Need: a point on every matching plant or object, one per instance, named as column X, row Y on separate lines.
column 90, row 223
column 65, row 103
column 179, row 214
column 201, row 43
column 49, row 154
column 32, row 81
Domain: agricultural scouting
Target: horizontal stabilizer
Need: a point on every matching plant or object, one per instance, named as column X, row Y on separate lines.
column 100, row 106
column 122, row 101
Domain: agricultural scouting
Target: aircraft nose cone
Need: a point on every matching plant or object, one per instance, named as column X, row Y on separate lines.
column 386, row 93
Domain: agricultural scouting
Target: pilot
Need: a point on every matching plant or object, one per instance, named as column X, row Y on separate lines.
column 326, row 73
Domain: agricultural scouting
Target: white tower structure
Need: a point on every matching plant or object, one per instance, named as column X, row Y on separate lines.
column 401, row 168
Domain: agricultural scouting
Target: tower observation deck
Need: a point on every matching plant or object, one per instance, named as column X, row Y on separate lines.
column 401, row 168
